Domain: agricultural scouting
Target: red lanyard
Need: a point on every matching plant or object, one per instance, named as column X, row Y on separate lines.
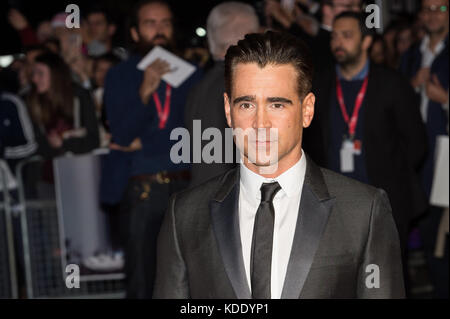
column 351, row 122
column 163, row 114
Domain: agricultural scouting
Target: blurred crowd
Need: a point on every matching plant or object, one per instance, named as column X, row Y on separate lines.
column 76, row 90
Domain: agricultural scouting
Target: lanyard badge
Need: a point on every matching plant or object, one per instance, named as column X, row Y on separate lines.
column 163, row 113
column 353, row 121
column 350, row 145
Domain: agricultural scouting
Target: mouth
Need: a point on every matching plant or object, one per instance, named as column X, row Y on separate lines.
column 159, row 40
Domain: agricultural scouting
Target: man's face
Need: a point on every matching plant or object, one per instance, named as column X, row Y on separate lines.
column 98, row 27
column 265, row 100
column 435, row 15
column 154, row 26
column 340, row 6
column 346, row 42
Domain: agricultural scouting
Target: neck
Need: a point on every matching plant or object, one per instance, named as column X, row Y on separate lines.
column 349, row 71
column 275, row 170
column 437, row 37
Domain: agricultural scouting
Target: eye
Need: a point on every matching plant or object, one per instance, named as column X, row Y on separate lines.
column 278, row 106
column 245, row 106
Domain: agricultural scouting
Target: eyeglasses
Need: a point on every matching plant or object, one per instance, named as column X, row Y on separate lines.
column 435, row 8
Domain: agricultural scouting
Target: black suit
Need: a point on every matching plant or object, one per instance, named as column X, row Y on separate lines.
column 394, row 141
column 343, row 226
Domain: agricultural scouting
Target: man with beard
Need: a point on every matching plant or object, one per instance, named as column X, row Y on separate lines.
column 368, row 122
column 142, row 110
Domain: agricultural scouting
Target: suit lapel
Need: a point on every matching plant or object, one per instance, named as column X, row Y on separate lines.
column 225, row 221
column 315, row 207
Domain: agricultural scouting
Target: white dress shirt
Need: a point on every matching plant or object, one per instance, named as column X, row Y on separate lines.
column 286, row 204
column 428, row 57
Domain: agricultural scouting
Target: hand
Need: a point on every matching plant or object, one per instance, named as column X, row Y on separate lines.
column 435, row 90
column 136, row 145
column 54, row 140
column 274, row 10
column 17, row 20
column 421, row 77
column 152, row 78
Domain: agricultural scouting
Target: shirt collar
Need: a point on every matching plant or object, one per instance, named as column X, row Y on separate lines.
column 424, row 46
column 359, row 77
column 326, row 27
column 291, row 181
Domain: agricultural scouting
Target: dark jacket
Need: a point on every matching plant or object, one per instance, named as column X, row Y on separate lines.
column 16, row 131
column 343, row 227
column 394, row 142
column 84, row 110
column 437, row 119
column 129, row 118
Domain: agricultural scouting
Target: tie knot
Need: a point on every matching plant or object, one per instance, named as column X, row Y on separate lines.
column 268, row 191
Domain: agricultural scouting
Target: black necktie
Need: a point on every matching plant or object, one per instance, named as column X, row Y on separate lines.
column 261, row 255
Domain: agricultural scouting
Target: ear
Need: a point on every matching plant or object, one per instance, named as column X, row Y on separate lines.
column 226, row 102
column 134, row 34
column 308, row 109
column 112, row 29
column 367, row 42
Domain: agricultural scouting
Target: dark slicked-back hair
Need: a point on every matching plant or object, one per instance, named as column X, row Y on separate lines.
column 272, row 48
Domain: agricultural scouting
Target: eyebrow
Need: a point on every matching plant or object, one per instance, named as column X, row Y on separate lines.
column 279, row 100
column 245, row 98
column 252, row 98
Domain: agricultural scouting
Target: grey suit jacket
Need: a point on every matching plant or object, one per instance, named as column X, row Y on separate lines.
column 345, row 236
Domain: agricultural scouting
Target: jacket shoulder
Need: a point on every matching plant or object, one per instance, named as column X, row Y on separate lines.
column 200, row 196
column 347, row 189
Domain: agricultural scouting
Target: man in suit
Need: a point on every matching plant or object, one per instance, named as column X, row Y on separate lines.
column 426, row 64
column 368, row 125
column 227, row 23
column 278, row 226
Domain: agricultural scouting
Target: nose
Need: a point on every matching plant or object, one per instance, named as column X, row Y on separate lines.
column 160, row 28
column 262, row 119
column 335, row 41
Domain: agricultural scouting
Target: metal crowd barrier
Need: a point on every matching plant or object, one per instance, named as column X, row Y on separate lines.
column 40, row 229
column 8, row 277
